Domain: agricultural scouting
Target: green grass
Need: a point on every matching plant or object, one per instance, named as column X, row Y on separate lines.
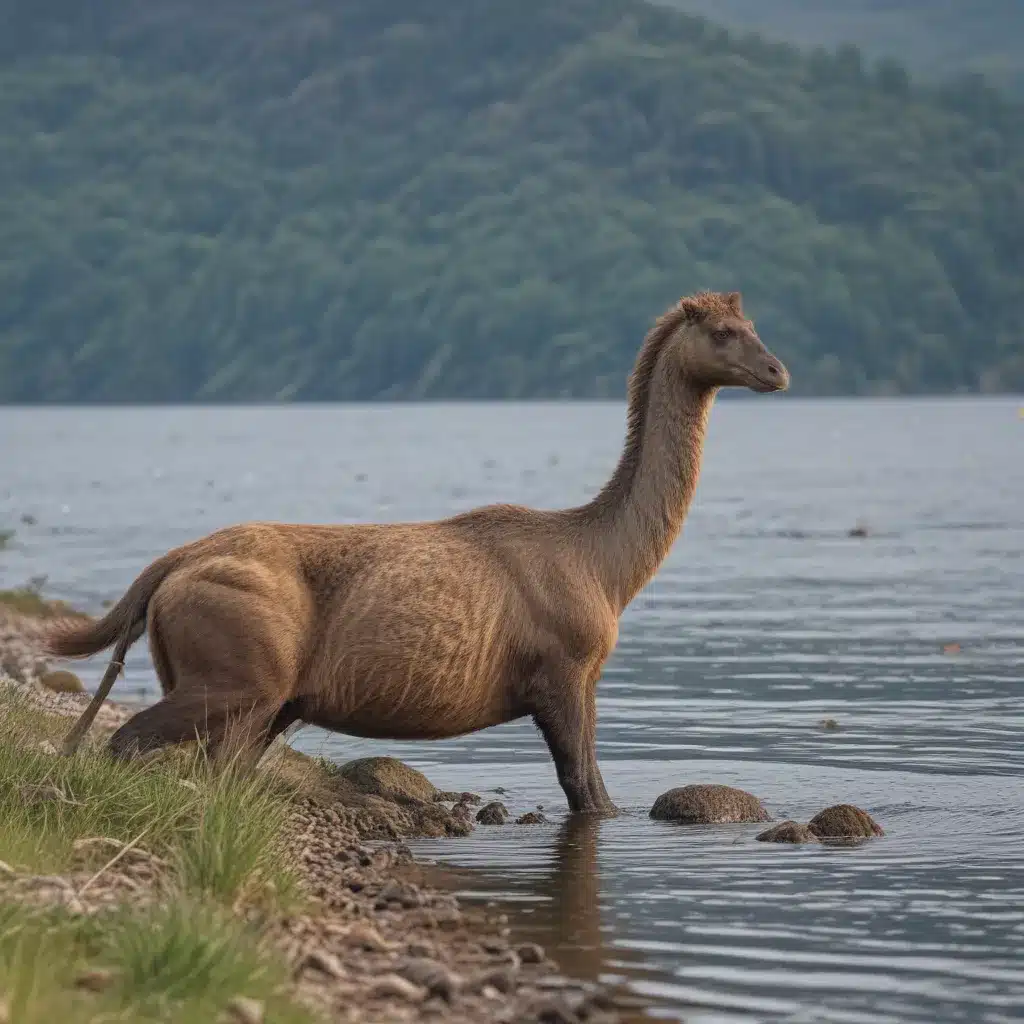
column 218, row 826
column 217, row 830
column 179, row 962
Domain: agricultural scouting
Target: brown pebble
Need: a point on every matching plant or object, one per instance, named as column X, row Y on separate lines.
column 843, row 821
column 391, row 986
column 531, row 818
column 951, row 649
column 788, row 832
column 530, row 953
column 365, row 936
column 437, row 979
column 494, row 813
column 555, row 1011
column 95, row 979
column 242, row 1010
column 321, row 960
column 503, row 979
column 708, row 805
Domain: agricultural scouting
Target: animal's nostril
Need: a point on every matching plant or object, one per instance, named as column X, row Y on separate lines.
column 773, row 371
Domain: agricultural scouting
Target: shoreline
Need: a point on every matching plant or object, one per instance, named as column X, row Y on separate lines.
column 375, row 938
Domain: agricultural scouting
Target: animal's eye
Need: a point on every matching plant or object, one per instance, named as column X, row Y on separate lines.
column 721, row 336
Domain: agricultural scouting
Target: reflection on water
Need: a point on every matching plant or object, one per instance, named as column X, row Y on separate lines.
column 767, row 617
column 710, row 925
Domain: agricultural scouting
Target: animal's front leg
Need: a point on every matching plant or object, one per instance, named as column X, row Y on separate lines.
column 567, row 718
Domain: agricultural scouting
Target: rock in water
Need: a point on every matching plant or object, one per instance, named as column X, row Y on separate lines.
column 494, row 813
column 61, row 682
column 788, row 832
column 389, row 778
column 844, row 821
column 531, row 818
column 708, row 805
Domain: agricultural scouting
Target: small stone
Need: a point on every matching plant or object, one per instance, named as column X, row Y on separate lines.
column 437, row 979
column 844, row 821
column 327, row 963
column 501, row 979
column 391, row 986
column 788, row 832
column 500, row 790
column 494, row 813
column 829, row 724
column 708, row 805
column 951, row 648
column 365, row 936
column 47, row 747
column 470, row 798
column 555, row 1011
column 530, row 953
column 62, row 681
column 243, row 1010
column 462, row 812
column 419, row 948
column 95, row 979
column 531, row 818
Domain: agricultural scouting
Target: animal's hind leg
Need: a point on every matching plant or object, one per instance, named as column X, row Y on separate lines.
column 184, row 714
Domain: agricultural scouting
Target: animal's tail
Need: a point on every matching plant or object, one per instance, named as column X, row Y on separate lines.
column 70, row 639
column 122, row 625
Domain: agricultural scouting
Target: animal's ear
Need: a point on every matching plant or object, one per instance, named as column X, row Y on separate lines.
column 693, row 309
column 735, row 302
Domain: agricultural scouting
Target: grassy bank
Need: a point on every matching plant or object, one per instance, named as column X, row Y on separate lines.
column 182, row 865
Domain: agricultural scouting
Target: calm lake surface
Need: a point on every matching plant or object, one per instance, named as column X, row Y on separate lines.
column 766, row 618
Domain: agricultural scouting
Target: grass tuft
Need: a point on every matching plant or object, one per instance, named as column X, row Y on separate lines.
column 218, row 826
column 179, row 962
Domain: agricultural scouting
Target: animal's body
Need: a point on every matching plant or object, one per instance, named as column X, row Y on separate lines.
column 434, row 629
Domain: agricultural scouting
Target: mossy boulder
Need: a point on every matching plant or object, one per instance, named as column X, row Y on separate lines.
column 389, row 778
column 788, row 832
column 708, row 805
column 61, row 681
column 844, row 821
column 494, row 813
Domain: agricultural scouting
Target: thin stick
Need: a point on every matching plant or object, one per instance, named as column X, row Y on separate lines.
column 81, row 727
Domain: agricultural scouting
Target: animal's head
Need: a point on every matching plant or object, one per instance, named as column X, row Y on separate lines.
column 717, row 346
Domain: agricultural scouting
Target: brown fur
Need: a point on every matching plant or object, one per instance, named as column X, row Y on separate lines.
column 434, row 629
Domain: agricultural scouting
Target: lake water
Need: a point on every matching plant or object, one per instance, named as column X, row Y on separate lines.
column 766, row 618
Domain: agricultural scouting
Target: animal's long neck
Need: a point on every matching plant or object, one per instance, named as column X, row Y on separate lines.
column 634, row 520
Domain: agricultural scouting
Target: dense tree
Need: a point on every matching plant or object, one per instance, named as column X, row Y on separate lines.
column 280, row 200
column 936, row 38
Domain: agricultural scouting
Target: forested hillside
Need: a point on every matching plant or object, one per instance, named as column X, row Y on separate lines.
column 308, row 199
column 937, row 38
